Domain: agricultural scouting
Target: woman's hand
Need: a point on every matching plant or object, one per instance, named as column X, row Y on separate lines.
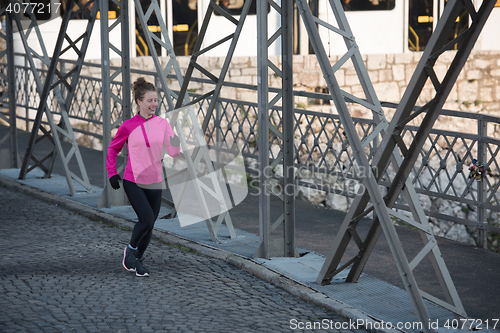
column 174, row 141
column 114, row 181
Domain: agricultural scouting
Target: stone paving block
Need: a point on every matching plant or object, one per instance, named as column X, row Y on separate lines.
column 62, row 272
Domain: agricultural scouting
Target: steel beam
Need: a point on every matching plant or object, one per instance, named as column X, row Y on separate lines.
column 288, row 106
column 63, row 129
column 9, row 96
column 263, row 134
column 165, row 43
column 197, row 51
column 386, row 153
column 105, row 91
column 112, row 117
column 437, row 45
column 14, row 148
column 369, row 178
column 271, row 245
column 200, row 153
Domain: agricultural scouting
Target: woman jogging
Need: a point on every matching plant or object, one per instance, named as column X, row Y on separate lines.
column 148, row 137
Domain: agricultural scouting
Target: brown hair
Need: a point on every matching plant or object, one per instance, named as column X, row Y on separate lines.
column 140, row 87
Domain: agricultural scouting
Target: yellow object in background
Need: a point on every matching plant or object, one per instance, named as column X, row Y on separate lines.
column 180, row 27
column 154, row 28
column 111, row 15
column 425, row 19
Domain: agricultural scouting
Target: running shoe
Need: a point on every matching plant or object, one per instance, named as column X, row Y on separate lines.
column 140, row 270
column 129, row 259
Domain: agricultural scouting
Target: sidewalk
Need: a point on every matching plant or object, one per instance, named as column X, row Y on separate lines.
column 377, row 296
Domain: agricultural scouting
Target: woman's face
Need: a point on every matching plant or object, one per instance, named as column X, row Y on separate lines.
column 149, row 103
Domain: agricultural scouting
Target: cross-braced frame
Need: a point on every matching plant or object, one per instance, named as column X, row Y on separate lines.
column 121, row 109
column 400, row 184
column 174, row 100
column 62, row 85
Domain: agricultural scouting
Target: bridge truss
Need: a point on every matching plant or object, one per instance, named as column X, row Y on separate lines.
column 371, row 159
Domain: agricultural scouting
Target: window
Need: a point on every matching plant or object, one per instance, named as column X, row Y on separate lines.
column 364, row 5
column 420, row 21
column 79, row 13
column 234, row 7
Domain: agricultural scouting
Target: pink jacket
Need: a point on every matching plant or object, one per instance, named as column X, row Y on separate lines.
column 147, row 141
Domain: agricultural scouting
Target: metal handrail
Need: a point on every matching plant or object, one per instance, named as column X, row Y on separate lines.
column 416, row 46
column 143, row 43
column 242, row 115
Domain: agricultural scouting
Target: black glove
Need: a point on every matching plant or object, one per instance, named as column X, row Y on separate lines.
column 174, row 141
column 114, row 181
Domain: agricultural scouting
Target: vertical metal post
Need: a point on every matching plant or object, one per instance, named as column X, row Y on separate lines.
column 62, row 70
column 271, row 133
column 53, row 80
column 438, row 44
column 125, row 56
column 43, row 107
column 218, row 137
column 105, row 105
column 11, row 73
column 288, row 120
column 481, row 188
column 125, row 70
column 218, row 131
column 26, row 94
column 369, row 179
column 201, row 152
column 263, row 132
column 111, row 99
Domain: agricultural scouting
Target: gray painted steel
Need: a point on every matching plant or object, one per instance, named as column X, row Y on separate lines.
column 269, row 133
column 121, row 110
column 287, row 142
column 273, row 132
column 64, row 128
column 172, row 64
column 14, row 155
column 436, row 46
column 196, row 137
column 197, row 51
column 263, row 132
column 88, row 100
column 106, row 92
column 370, row 181
column 10, row 96
column 267, row 109
column 444, row 182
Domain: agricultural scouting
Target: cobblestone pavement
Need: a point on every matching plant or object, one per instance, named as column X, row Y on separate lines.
column 61, row 272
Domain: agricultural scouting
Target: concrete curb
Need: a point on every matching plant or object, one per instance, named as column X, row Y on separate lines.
column 293, row 287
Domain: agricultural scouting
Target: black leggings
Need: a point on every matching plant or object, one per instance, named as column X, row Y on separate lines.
column 146, row 203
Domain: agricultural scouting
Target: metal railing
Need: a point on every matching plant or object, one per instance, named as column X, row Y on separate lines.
column 321, row 147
